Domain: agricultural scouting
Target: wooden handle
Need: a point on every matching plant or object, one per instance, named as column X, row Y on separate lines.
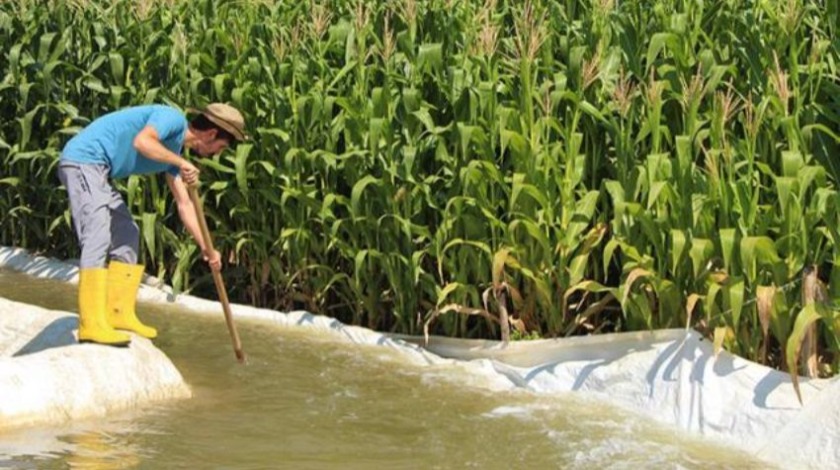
column 217, row 276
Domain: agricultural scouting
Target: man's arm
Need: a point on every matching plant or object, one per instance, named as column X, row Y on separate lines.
column 147, row 142
column 186, row 211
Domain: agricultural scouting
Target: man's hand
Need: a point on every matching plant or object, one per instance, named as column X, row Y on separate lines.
column 214, row 259
column 189, row 173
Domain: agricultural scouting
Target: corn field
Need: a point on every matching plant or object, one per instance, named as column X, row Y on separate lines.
column 502, row 168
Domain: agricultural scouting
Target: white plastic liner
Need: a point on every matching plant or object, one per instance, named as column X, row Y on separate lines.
column 46, row 377
column 671, row 376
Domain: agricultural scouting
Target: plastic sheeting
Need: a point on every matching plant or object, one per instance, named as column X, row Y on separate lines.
column 674, row 377
column 671, row 376
column 46, row 377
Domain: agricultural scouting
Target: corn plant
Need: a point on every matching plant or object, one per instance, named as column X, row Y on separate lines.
column 496, row 168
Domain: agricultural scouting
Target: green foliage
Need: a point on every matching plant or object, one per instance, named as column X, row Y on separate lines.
column 630, row 159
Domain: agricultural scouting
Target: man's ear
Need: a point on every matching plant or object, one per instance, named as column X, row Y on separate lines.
column 206, row 134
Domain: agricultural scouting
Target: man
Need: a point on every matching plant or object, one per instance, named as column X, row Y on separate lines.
column 133, row 141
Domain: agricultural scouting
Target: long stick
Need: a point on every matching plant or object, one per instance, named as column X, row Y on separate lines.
column 217, row 276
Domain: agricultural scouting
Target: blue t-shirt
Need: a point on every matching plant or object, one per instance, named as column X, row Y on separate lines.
column 109, row 140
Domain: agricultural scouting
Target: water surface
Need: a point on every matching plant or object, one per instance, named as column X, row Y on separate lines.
column 308, row 400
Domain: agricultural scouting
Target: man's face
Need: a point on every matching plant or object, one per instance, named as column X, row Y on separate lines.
column 210, row 143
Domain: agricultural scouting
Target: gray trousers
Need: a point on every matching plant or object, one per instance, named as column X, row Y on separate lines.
column 102, row 221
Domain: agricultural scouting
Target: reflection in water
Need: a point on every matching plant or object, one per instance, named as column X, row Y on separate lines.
column 309, row 400
column 94, row 450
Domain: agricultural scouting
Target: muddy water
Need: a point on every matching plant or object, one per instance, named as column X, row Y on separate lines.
column 308, row 400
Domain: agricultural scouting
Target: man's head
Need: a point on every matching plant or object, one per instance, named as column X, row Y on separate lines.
column 215, row 128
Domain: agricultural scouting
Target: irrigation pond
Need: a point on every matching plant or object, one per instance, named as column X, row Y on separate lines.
column 308, row 399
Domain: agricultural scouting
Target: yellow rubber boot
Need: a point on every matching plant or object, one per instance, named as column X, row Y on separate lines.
column 123, row 282
column 93, row 326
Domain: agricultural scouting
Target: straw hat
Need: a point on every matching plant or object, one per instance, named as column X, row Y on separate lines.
column 225, row 116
